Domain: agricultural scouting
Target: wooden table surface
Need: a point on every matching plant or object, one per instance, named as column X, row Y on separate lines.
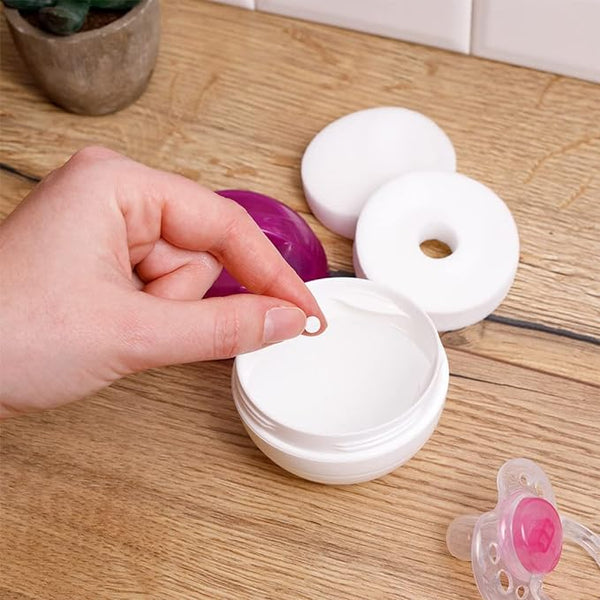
column 151, row 489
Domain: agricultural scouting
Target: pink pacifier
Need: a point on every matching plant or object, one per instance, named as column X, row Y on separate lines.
column 514, row 546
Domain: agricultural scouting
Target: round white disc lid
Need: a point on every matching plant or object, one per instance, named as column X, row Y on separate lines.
column 462, row 288
column 353, row 156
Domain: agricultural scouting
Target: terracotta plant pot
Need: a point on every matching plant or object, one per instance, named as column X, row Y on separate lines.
column 93, row 72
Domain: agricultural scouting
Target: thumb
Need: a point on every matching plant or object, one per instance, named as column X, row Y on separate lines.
column 176, row 331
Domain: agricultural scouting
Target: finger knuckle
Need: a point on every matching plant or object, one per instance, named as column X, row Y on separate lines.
column 92, row 154
column 236, row 220
column 270, row 278
column 227, row 335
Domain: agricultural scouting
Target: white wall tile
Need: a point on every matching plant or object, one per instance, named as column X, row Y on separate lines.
column 243, row 3
column 443, row 23
column 562, row 36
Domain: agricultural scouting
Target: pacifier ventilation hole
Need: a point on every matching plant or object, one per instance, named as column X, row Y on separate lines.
column 494, row 556
column 505, row 581
column 522, row 592
column 435, row 248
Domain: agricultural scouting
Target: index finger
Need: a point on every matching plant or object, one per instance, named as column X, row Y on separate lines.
column 194, row 218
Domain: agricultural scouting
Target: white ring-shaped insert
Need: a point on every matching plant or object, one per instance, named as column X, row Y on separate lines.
column 462, row 288
column 356, row 154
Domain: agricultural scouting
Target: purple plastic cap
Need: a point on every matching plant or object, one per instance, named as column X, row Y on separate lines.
column 288, row 232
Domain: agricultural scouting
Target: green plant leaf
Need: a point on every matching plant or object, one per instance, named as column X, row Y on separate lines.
column 65, row 17
column 28, row 4
column 114, row 4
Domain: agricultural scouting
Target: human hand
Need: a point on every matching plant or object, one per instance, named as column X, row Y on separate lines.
column 103, row 270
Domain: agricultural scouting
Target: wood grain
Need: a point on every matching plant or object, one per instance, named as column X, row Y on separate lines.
column 237, row 95
column 152, row 489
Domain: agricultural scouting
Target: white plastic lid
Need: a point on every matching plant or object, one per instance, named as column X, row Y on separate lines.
column 353, row 156
column 462, row 288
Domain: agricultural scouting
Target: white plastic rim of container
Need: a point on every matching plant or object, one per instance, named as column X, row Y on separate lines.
column 462, row 288
column 356, row 154
column 355, row 402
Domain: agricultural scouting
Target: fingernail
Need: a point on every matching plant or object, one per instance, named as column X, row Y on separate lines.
column 283, row 323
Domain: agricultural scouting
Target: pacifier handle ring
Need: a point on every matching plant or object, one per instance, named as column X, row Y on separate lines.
column 582, row 536
column 539, row 594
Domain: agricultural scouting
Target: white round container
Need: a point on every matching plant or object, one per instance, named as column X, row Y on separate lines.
column 355, row 402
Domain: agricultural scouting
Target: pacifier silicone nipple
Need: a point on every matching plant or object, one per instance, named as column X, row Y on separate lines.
column 514, row 546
